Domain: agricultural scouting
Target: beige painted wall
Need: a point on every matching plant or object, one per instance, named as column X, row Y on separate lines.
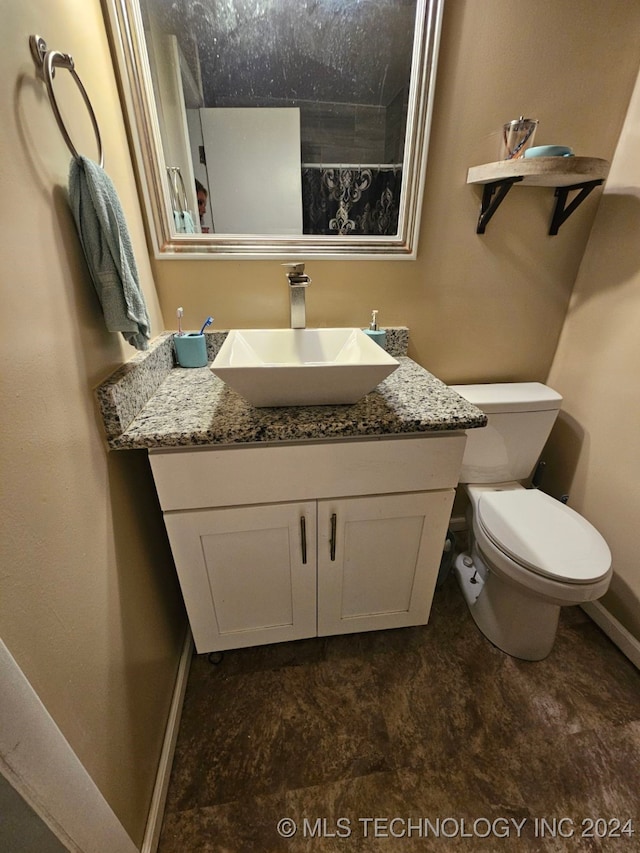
column 479, row 308
column 594, row 451
column 89, row 604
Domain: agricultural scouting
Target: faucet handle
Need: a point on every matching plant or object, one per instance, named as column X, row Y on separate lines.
column 296, row 268
column 297, row 276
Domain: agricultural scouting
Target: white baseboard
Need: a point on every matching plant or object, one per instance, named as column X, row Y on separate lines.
column 617, row 633
column 158, row 800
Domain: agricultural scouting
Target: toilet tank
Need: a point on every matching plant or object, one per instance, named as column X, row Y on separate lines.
column 520, row 416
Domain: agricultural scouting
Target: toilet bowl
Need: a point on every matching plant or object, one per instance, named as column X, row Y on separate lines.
column 529, row 554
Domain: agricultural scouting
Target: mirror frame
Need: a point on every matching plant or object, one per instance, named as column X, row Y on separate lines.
column 127, row 41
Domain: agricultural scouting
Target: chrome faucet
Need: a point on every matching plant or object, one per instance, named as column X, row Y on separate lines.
column 298, row 282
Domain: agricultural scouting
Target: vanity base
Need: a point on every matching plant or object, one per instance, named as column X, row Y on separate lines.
column 280, row 543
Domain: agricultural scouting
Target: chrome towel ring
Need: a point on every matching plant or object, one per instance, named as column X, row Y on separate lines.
column 46, row 63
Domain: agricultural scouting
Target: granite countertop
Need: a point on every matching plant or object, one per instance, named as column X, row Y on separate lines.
column 150, row 403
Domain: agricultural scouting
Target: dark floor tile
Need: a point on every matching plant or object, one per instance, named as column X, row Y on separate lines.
column 585, row 683
column 532, row 800
column 440, row 699
column 448, row 619
column 269, row 731
column 426, row 723
column 270, row 657
column 467, row 806
column 574, row 615
column 371, row 645
column 456, row 691
column 593, row 775
column 245, row 826
column 351, row 814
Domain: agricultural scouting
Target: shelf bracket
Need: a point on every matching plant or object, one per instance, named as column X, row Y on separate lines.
column 563, row 210
column 493, row 194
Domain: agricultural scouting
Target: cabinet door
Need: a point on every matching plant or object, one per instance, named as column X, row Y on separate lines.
column 245, row 574
column 378, row 560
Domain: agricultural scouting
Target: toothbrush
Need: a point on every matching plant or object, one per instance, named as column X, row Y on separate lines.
column 206, row 323
column 179, row 314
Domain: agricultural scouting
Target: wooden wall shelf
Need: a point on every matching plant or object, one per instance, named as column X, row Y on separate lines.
column 566, row 174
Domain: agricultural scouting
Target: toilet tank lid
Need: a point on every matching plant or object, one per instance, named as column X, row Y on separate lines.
column 510, row 396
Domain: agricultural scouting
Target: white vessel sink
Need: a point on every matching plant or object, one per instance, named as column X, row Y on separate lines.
column 301, row 367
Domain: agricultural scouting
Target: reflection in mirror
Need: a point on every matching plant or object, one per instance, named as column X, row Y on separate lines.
column 270, row 128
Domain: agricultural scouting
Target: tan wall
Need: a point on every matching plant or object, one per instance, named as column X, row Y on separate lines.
column 89, row 605
column 479, row 308
column 594, row 452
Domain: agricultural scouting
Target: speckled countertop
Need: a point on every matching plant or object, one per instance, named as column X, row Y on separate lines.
column 150, row 403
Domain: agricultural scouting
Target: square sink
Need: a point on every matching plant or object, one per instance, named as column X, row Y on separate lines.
column 301, row 367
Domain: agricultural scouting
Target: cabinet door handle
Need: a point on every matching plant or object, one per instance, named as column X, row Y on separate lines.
column 334, row 520
column 303, row 536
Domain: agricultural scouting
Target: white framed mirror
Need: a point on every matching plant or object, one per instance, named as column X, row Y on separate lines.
column 301, row 126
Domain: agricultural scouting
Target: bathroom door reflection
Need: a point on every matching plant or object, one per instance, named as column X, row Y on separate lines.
column 253, row 166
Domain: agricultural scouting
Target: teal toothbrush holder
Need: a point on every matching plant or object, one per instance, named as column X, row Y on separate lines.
column 191, row 350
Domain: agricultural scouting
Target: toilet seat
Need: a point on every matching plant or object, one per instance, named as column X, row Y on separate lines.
column 543, row 536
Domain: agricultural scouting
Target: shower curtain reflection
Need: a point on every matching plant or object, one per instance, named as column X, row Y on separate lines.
column 353, row 200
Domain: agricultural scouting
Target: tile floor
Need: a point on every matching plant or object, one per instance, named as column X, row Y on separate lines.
column 466, row 748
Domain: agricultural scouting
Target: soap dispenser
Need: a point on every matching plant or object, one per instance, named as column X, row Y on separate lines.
column 378, row 335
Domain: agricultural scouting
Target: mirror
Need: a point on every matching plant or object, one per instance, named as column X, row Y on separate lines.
column 301, row 126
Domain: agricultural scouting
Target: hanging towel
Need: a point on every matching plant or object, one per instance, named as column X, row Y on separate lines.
column 184, row 222
column 107, row 248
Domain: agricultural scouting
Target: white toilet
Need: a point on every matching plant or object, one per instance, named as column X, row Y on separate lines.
column 528, row 553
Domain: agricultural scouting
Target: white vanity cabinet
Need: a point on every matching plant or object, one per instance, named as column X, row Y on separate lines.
column 243, row 573
column 378, row 559
column 282, row 542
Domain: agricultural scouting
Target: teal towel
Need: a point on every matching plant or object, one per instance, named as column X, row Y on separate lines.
column 107, row 247
column 183, row 222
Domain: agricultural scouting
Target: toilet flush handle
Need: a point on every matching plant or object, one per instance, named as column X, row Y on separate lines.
column 538, row 474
